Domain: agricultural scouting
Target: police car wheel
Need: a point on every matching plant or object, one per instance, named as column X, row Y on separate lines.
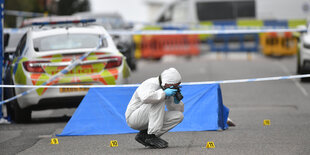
column 18, row 115
column 21, row 115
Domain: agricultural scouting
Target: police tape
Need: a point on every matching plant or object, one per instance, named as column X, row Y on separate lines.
column 15, row 30
column 131, row 85
column 184, row 83
column 59, row 74
column 199, row 32
column 251, row 80
column 187, row 32
column 229, row 24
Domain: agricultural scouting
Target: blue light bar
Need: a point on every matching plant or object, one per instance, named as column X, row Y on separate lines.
column 65, row 22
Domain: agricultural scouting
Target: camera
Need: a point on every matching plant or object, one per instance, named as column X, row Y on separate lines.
column 178, row 94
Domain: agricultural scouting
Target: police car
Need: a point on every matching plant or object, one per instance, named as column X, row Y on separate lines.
column 45, row 51
column 303, row 55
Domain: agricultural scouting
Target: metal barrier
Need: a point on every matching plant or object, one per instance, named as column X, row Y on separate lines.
column 156, row 46
column 232, row 35
column 278, row 44
column 234, row 43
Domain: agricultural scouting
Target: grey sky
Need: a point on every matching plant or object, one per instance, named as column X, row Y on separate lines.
column 132, row 10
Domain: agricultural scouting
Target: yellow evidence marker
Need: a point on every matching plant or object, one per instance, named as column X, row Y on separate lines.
column 113, row 143
column 210, row 145
column 266, row 122
column 54, row 141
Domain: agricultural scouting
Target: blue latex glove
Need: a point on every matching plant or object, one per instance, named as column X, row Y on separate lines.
column 170, row 92
column 176, row 101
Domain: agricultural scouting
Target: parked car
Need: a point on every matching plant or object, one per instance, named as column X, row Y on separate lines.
column 43, row 52
column 11, row 39
column 303, row 55
column 110, row 21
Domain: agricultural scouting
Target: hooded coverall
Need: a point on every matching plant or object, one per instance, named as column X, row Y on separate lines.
column 146, row 109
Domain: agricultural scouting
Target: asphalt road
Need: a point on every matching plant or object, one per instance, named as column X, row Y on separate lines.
column 286, row 103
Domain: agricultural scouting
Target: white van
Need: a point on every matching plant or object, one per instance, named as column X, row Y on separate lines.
column 196, row 11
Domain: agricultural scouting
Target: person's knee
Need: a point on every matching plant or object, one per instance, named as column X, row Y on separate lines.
column 136, row 124
column 179, row 116
column 130, row 124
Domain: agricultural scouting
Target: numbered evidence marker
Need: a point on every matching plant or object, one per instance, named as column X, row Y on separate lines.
column 113, row 143
column 210, row 145
column 54, row 141
column 266, row 122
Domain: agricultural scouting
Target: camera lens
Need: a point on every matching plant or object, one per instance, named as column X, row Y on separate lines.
column 179, row 96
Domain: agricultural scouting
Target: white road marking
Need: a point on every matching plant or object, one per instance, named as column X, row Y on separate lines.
column 45, row 136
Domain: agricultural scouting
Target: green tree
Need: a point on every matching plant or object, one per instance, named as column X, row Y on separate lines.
column 20, row 5
column 76, row 6
column 64, row 7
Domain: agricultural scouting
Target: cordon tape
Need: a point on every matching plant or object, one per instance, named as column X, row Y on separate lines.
column 188, row 32
column 44, row 85
column 193, row 32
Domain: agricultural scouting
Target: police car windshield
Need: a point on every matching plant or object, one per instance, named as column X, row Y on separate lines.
column 67, row 41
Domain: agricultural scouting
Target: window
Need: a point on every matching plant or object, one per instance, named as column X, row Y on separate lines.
column 226, row 10
column 176, row 13
column 21, row 45
column 13, row 41
column 215, row 10
column 166, row 17
column 67, row 41
column 245, row 9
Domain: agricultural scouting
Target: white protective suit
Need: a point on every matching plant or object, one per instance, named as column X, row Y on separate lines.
column 146, row 109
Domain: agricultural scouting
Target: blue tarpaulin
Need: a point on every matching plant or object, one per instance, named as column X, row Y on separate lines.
column 102, row 111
